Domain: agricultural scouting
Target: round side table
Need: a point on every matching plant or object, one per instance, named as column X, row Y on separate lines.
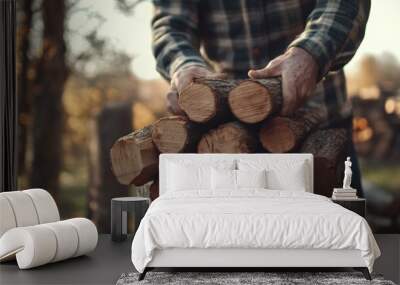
column 120, row 207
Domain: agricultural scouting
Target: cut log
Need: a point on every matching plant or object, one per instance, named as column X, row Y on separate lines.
column 154, row 190
column 284, row 134
column 134, row 158
column 175, row 134
column 329, row 150
column 231, row 137
column 206, row 100
column 252, row 101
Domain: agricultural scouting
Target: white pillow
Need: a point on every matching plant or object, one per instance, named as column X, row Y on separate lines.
column 188, row 174
column 227, row 179
column 223, row 179
column 183, row 177
column 281, row 174
column 251, row 178
column 292, row 180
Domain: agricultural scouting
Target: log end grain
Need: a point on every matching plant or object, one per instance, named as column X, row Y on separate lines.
column 250, row 102
column 277, row 136
column 228, row 138
column 170, row 134
column 199, row 102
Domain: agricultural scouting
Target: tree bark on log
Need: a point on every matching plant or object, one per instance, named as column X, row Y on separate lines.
column 329, row 150
column 252, row 101
column 284, row 134
column 154, row 190
column 134, row 158
column 206, row 100
column 231, row 137
column 175, row 134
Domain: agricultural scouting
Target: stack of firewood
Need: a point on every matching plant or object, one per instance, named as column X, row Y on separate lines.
column 228, row 116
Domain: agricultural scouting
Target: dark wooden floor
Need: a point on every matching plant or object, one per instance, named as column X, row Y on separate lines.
column 103, row 266
column 110, row 260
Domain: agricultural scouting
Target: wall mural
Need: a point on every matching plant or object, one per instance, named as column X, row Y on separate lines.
column 94, row 115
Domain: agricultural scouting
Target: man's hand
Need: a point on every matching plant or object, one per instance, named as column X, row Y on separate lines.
column 182, row 79
column 299, row 73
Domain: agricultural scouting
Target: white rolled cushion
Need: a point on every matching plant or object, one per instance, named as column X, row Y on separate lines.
column 7, row 218
column 182, row 177
column 23, row 208
column 87, row 235
column 67, row 239
column 281, row 174
column 251, row 178
column 40, row 244
column 223, row 179
column 33, row 245
column 45, row 205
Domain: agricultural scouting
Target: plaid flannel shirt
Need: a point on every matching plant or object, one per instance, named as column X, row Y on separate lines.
column 233, row 36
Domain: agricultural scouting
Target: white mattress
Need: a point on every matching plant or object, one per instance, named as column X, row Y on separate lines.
column 252, row 219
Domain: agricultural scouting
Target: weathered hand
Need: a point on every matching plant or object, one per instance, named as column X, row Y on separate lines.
column 181, row 79
column 184, row 77
column 172, row 103
column 299, row 73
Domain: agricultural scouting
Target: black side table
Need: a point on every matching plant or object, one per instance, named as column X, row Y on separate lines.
column 119, row 209
column 357, row 205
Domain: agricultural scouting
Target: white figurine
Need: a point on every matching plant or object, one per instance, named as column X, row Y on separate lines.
column 347, row 174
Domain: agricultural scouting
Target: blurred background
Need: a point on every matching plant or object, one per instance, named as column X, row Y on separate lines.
column 86, row 76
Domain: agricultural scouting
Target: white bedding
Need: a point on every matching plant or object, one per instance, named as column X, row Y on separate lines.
column 251, row 218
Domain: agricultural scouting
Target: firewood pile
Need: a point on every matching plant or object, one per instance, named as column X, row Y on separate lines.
column 231, row 116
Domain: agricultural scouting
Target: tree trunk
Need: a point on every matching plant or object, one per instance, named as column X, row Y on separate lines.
column 231, row 137
column 284, row 134
column 154, row 190
column 134, row 158
column 176, row 134
column 206, row 100
column 252, row 101
column 329, row 150
column 24, row 100
column 52, row 73
column 114, row 121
